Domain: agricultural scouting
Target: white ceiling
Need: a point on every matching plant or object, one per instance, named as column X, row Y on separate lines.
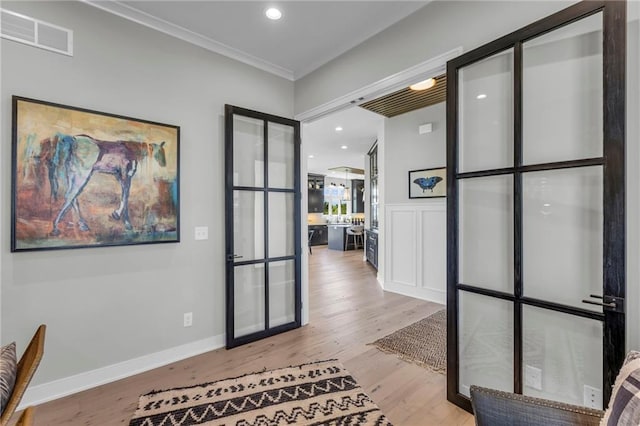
column 309, row 34
column 360, row 130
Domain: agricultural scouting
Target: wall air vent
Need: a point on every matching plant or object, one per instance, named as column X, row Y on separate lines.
column 27, row 30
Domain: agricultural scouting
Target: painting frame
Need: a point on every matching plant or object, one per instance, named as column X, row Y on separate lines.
column 82, row 178
column 430, row 187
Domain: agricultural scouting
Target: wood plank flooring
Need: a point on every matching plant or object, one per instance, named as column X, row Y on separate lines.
column 348, row 311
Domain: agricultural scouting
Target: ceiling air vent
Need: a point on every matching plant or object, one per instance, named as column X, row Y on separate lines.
column 27, row 30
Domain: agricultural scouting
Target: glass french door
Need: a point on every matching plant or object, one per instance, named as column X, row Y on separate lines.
column 262, row 161
column 536, row 225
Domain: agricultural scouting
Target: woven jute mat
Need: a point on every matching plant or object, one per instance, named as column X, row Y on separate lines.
column 423, row 343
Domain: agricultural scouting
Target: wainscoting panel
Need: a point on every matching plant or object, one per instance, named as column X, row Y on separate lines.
column 434, row 249
column 402, row 239
column 416, row 250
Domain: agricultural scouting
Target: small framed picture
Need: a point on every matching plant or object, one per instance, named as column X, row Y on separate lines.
column 428, row 183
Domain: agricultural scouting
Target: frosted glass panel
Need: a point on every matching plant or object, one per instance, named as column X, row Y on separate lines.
column 281, row 224
column 485, row 342
column 248, row 224
column 486, row 113
column 281, row 156
column 562, row 235
column 248, row 299
column 562, row 93
column 565, row 351
column 486, row 232
column 281, row 293
column 248, row 151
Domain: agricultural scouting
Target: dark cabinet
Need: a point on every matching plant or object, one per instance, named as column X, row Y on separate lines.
column 372, row 247
column 373, row 189
column 315, row 193
column 357, row 196
column 320, row 235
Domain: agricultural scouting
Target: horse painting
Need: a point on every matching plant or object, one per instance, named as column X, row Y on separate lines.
column 75, row 159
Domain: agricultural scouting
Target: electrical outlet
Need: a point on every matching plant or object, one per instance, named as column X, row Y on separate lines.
column 188, row 319
column 202, row 233
column 465, row 390
column 533, row 377
column 592, row 397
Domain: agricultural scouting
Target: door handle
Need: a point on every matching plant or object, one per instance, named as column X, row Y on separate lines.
column 233, row 256
column 610, row 303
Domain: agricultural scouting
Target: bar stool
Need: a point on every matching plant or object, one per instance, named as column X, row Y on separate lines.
column 311, row 232
column 356, row 232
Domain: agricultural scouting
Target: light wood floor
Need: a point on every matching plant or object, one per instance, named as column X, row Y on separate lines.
column 348, row 311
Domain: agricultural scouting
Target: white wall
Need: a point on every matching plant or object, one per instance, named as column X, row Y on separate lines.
column 415, row 229
column 109, row 305
column 408, row 150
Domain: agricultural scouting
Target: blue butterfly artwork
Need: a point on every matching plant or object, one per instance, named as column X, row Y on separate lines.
column 428, row 183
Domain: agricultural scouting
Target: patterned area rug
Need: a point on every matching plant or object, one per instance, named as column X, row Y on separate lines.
column 423, row 342
column 309, row 394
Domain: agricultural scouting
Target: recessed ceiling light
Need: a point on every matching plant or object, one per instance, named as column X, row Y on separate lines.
column 273, row 13
column 344, row 147
column 338, row 129
column 481, row 96
column 310, row 155
column 424, row 85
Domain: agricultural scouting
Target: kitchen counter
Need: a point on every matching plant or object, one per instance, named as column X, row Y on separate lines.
column 338, row 235
column 320, row 236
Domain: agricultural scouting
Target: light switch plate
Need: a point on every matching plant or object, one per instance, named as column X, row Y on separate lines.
column 202, row 233
column 533, row 377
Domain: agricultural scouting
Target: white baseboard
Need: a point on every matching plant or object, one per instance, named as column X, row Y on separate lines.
column 69, row 385
column 428, row 294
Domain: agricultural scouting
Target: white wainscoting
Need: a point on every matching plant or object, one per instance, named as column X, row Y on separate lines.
column 416, row 249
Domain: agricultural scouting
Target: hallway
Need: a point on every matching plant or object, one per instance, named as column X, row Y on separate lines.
column 348, row 311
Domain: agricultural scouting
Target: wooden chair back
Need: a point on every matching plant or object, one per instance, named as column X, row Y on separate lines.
column 26, row 368
column 26, row 418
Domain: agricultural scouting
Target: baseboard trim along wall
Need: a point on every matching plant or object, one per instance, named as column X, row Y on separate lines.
column 69, row 385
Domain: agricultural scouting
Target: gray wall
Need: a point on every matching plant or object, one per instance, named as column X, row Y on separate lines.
column 406, row 150
column 437, row 28
column 107, row 305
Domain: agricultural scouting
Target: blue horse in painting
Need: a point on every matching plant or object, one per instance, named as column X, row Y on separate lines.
column 76, row 158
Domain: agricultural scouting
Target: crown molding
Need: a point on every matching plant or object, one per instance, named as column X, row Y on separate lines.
column 143, row 18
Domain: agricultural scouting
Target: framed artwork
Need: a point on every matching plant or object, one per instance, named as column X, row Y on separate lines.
column 83, row 178
column 428, row 183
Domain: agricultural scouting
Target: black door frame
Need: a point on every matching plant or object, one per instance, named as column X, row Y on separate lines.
column 231, row 263
column 613, row 162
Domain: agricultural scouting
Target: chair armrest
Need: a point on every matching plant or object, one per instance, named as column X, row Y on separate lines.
column 27, row 367
column 497, row 408
column 26, row 419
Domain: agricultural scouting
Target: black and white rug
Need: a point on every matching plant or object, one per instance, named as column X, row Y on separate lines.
column 310, row 394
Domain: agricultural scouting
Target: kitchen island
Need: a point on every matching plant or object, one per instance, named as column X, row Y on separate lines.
column 338, row 236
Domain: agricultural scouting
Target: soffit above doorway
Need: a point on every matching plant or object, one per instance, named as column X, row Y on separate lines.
column 405, row 100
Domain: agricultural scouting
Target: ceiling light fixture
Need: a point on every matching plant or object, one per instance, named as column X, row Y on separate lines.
column 338, row 129
column 273, row 14
column 344, row 147
column 481, row 96
column 424, row 85
column 310, row 155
